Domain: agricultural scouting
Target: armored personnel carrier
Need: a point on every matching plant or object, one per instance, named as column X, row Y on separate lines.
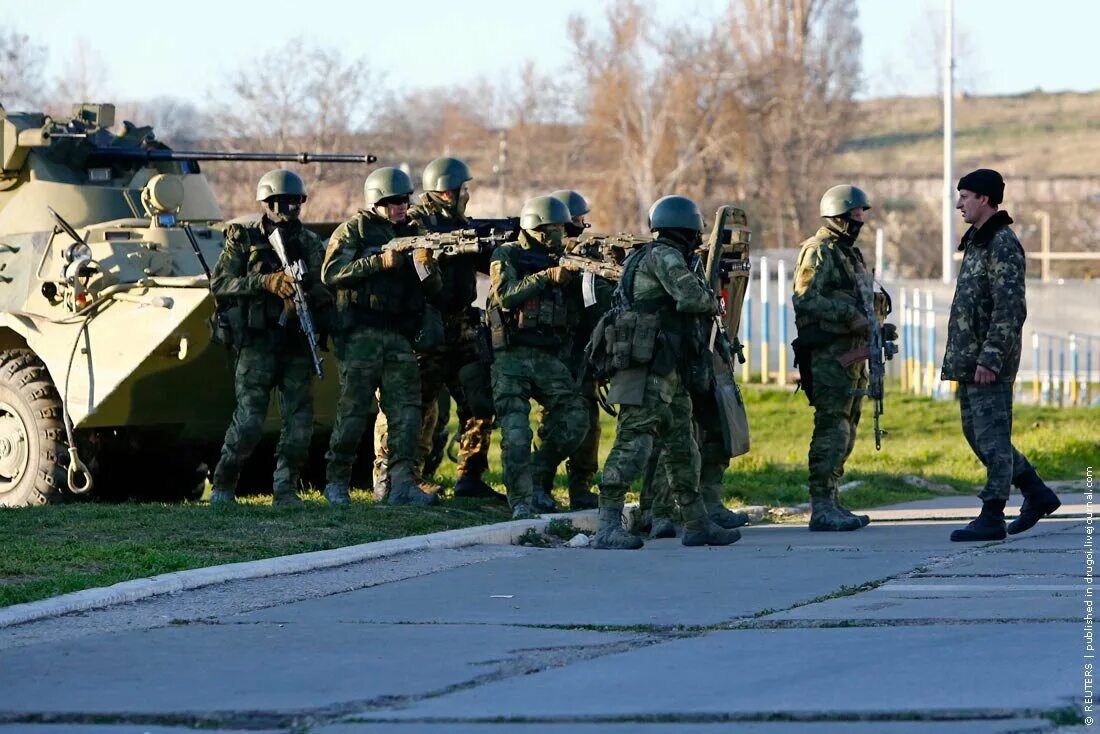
column 108, row 376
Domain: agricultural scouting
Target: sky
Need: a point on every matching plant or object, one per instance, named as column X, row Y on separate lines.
column 184, row 49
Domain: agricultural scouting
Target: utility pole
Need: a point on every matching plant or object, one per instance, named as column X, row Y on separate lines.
column 948, row 266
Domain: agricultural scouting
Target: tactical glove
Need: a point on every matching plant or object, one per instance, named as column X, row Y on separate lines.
column 889, row 332
column 424, row 256
column 390, row 260
column 559, row 275
column 279, row 284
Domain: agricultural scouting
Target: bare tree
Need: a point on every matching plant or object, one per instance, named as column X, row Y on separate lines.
column 21, row 64
column 657, row 107
column 82, row 78
column 799, row 66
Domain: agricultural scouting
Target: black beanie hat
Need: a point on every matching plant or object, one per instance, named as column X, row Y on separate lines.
column 984, row 182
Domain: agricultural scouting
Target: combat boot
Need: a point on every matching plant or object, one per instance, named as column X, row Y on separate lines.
column 523, row 511
column 864, row 520
column 285, row 497
column 611, row 535
column 988, row 525
column 1039, row 501
column 699, row 529
column 223, row 497
column 581, row 497
column 426, row 485
column 726, row 518
column 662, row 527
column 403, row 490
column 826, row 516
column 475, row 488
column 337, row 494
column 381, row 488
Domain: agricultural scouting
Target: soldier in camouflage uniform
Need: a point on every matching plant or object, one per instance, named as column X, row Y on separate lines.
column 455, row 363
column 380, row 305
column 249, row 279
column 655, row 301
column 983, row 355
column 829, row 283
column 534, row 308
column 583, row 463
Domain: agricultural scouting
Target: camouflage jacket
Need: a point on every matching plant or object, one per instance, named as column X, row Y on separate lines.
column 366, row 295
column 237, row 280
column 988, row 311
column 829, row 281
column 535, row 311
column 458, row 287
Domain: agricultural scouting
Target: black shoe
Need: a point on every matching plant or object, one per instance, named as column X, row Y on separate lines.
column 988, row 525
column 1033, row 509
column 476, row 488
column 1039, row 501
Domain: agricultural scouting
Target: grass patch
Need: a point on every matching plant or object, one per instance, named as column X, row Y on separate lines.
column 57, row 549
column 45, row 551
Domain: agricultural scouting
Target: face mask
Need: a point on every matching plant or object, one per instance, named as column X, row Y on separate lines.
column 284, row 210
column 550, row 239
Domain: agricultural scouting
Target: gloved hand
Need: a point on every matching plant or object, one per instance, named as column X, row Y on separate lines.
column 424, row 256
column 859, row 326
column 390, row 260
column 279, row 284
column 559, row 275
column 889, row 332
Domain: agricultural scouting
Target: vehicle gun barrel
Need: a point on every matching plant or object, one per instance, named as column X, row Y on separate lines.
column 153, row 155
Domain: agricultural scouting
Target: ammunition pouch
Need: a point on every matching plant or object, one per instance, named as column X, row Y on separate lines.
column 546, row 311
column 803, row 360
column 226, row 326
column 478, row 388
column 498, row 330
column 812, row 336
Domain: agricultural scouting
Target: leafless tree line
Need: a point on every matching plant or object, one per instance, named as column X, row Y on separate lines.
column 744, row 108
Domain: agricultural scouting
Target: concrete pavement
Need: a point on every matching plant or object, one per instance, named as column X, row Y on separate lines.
column 891, row 629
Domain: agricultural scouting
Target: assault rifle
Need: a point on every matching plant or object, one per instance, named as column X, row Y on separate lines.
column 879, row 349
column 447, row 244
column 296, row 272
column 590, row 269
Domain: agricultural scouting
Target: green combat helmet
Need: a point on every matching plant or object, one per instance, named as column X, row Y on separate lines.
column 675, row 212
column 384, row 183
column 578, row 205
column 543, row 210
column 839, row 200
column 280, row 182
column 446, row 174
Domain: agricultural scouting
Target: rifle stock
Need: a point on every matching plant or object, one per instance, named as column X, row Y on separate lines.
column 296, row 272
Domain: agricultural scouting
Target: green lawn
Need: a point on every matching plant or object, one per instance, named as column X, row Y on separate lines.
column 46, row 551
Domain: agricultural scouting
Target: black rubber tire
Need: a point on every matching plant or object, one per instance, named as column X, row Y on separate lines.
column 27, row 389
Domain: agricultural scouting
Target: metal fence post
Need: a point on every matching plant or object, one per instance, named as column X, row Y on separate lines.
column 917, row 345
column 746, row 324
column 930, row 351
column 903, row 363
column 1036, row 362
column 765, row 322
column 781, row 307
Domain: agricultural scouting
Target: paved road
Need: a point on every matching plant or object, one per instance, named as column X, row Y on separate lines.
column 891, row 630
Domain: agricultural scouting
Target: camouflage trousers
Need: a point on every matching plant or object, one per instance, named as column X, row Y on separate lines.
column 656, row 492
column 372, row 360
column 519, row 375
column 446, row 367
column 837, row 408
column 987, row 424
column 259, row 371
column 665, row 411
column 584, row 461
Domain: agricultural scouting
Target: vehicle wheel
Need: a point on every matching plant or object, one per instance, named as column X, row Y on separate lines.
column 33, row 455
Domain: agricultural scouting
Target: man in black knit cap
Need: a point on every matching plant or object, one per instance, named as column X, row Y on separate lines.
column 983, row 355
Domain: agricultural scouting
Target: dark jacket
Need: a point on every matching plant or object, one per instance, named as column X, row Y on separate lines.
column 989, row 308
